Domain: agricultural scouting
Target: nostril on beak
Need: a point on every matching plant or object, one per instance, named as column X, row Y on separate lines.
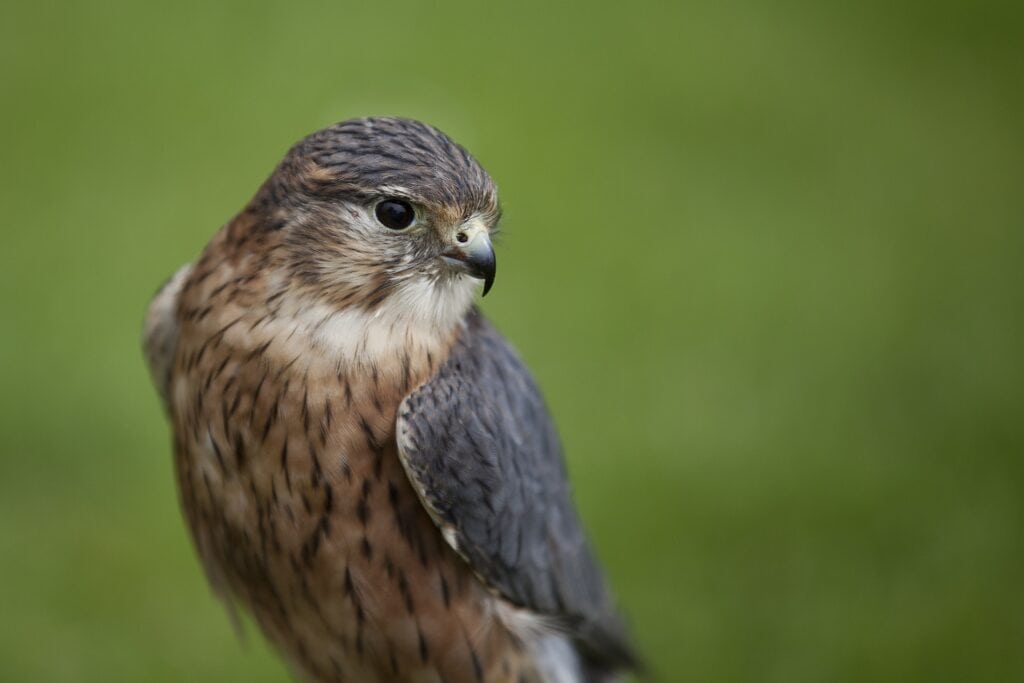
column 462, row 237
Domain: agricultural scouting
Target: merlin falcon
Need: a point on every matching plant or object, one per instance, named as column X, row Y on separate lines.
column 364, row 462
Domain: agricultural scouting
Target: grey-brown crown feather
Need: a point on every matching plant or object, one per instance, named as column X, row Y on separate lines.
column 359, row 157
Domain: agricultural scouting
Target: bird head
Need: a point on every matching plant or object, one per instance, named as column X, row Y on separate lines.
column 381, row 214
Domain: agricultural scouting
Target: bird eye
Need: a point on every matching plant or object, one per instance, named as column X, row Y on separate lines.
column 395, row 214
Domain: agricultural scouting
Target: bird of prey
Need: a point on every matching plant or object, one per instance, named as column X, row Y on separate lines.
column 364, row 462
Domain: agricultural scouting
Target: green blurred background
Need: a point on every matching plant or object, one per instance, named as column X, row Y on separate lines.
column 764, row 258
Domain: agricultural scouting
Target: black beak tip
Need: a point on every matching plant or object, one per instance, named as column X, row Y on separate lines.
column 478, row 262
column 484, row 267
column 487, row 270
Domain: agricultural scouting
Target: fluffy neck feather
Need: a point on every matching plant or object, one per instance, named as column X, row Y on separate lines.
column 419, row 317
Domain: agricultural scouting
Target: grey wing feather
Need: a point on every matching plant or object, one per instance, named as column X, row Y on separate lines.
column 160, row 336
column 479, row 447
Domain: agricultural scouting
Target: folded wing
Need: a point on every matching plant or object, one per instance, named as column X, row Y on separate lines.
column 479, row 446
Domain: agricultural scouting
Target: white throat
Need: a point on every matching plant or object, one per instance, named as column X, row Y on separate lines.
column 418, row 316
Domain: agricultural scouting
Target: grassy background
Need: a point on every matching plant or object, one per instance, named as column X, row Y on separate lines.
column 764, row 258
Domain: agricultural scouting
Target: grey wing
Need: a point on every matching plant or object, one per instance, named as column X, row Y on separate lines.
column 479, row 446
column 160, row 335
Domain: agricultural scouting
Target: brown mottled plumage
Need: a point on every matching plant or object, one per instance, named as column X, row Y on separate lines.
column 283, row 356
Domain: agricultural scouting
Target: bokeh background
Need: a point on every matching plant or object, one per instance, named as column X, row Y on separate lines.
column 764, row 258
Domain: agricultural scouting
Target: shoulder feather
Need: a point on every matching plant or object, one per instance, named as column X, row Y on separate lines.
column 160, row 335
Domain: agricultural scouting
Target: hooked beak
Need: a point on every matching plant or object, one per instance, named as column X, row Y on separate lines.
column 473, row 254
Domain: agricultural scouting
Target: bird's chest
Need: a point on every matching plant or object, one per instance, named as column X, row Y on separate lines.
column 299, row 506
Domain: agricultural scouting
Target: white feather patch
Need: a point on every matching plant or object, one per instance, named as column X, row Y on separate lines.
column 554, row 654
column 420, row 312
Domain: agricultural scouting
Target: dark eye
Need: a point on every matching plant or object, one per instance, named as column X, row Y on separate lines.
column 395, row 214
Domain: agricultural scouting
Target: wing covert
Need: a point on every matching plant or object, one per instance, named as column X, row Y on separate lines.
column 482, row 452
